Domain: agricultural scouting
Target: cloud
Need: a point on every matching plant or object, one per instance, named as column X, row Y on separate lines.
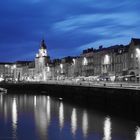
column 105, row 43
column 68, row 26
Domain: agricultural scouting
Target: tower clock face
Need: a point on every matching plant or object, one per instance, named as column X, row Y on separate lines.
column 42, row 52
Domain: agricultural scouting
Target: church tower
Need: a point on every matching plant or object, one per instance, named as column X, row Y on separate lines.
column 42, row 59
column 43, row 50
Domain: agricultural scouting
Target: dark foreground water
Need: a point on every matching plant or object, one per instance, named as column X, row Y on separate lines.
column 29, row 117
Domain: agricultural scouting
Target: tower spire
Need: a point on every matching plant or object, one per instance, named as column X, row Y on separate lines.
column 43, row 45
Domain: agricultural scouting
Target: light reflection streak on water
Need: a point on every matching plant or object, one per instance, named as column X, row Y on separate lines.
column 1, row 99
column 74, row 121
column 48, row 109
column 85, row 123
column 34, row 101
column 42, row 116
column 14, row 117
column 137, row 133
column 5, row 111
column 107, row 129
column 61, row 115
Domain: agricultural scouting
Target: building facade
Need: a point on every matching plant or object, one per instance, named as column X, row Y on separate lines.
column 119, row 62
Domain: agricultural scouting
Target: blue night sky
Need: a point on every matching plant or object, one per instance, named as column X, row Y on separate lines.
column 68, row 26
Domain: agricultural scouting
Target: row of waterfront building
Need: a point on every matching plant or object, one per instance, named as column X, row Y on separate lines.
column 115, row 63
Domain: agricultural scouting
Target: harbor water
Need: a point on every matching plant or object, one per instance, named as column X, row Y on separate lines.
column 42, row 117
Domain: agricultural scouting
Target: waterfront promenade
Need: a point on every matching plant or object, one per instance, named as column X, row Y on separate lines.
column 121, row 85
column 102, row 84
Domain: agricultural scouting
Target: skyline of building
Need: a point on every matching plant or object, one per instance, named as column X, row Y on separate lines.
column 112, row 63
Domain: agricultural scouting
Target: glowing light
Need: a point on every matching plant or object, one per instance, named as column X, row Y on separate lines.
column 107, row 129
column 37, row 55
column 1, row 79
column 61, row 115
column 42, row 52
column 74, row 121
column 6, row 65
column 61, row 66
column 106, row 59
column 73, row 61
column 85, row 62
column 85, row 123
column 137, row 133
column 48, row 69
column 137, row 52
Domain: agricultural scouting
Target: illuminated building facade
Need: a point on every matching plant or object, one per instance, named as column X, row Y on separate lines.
column 6, row 71
column 121, row 62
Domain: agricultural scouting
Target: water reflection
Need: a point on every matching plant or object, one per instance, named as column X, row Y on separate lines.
column 14, row 117
column 48, row 109
column 1, row 99
column 5, row 111
column 107, row 129
column 43, row 115
column 61, row 115
column 74, row 121
column 85, row 123
column 34, row 101
column 137, row 133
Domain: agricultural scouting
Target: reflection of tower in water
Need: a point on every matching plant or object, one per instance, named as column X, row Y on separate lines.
column 14, row 118
column 107, row 129
column 61, row 115
column 42, row 115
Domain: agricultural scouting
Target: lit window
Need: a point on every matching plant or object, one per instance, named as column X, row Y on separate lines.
column 85, row 62
column 106, row 59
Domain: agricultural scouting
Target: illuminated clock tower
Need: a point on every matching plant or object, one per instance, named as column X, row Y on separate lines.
column 42, row 59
